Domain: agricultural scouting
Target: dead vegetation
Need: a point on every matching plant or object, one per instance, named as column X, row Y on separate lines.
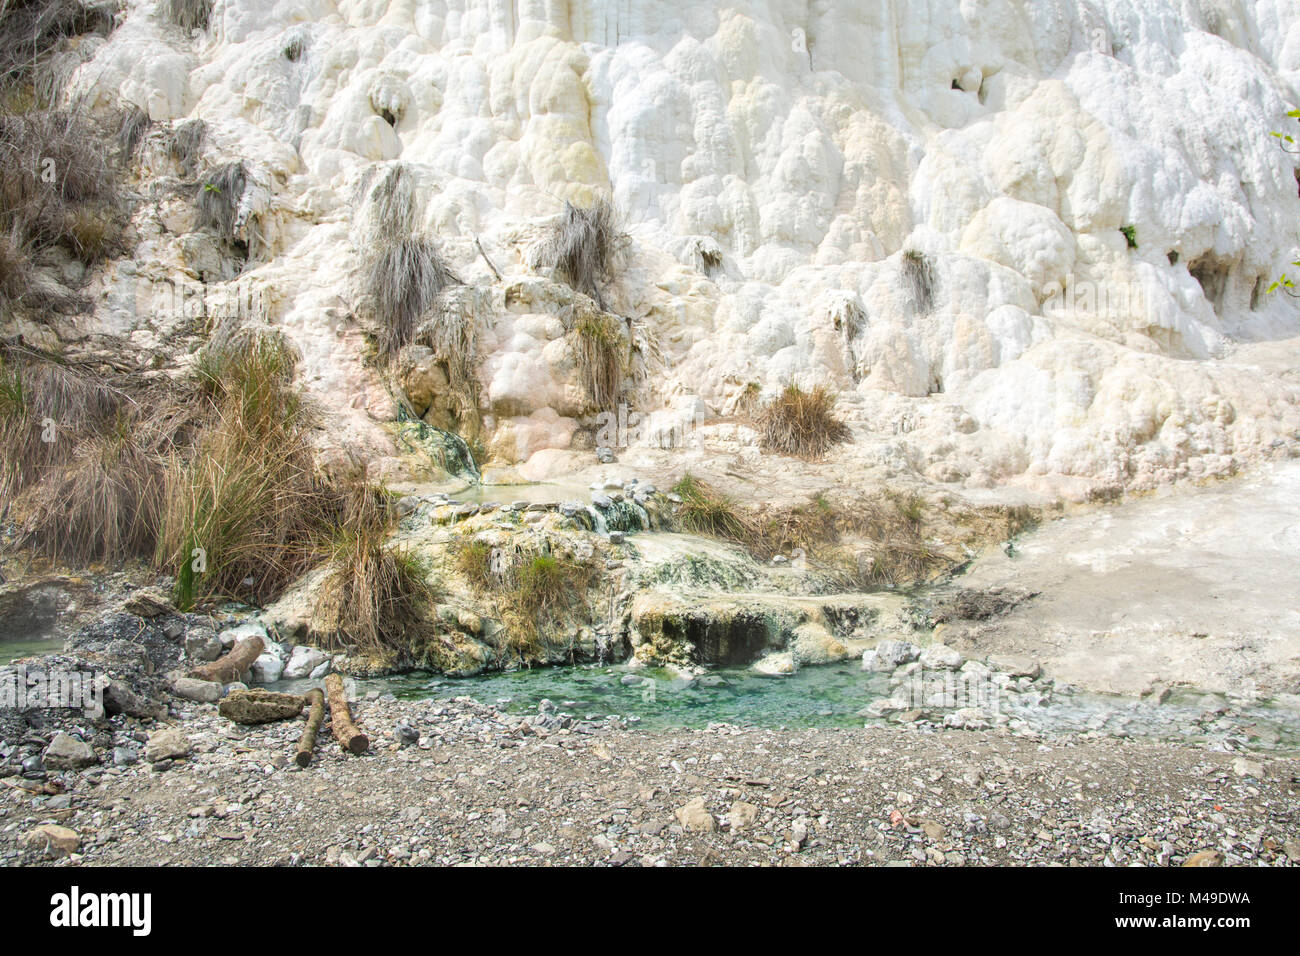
column 878, row 543
column 918, row 280
column 32, row 35
column 402, row 281
column 376, row 600
column 82, row 449
column 599, row 347
column 580, row 246
column 219, row 196
column 57, row 188
column 189, row 14
column 246, row 509
column 801, row 424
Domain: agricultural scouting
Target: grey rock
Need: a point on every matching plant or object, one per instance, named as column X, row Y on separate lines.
column 302, row 661
column 202, row 644
column 66, row 752
column 200, row 691
column 169, row 743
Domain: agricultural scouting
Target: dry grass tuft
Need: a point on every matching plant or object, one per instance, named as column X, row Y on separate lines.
column 918, row 280
column 402, row 280
column 580, row 246
column 132, row 124
column 102, row 506
column 32, row 31
column 706, row 510
column 598, row 342
column 189, row 14
column 186, row 146
column 248, row 496
column 218, row 198
column 376, row 600
column 801, row 424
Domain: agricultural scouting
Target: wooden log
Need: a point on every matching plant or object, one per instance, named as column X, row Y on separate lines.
column 230, row 667
column 307, row 742
column 346, row 732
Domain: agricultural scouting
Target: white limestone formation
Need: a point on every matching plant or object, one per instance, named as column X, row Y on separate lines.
column 787, row 171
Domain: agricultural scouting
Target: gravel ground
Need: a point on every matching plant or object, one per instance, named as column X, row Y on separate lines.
column 458, row 782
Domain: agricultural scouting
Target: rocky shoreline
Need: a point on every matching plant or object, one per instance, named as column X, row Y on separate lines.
column 457, row 782
column 159, row 777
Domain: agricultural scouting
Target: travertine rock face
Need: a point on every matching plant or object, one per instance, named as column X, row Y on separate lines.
column 1024, row 241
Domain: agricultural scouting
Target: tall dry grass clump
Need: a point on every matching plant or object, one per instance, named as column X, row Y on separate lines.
column 31, row 34
column 245, row 509
column 402, row 280
column 580, row 246
column 376, row 600
column 598, row 343
column 706, row 510
column 189, row 14
column 918, row 280
column 801, row 424
column 82, row 449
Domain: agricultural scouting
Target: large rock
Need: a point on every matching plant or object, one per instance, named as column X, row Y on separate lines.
column 267, row 668
column 259, row 706
column 121, row 698
column 888, row 655
column 694, row 816
column 814, row 644
column 200, row 691
column 54, row 840
column 202, row 644
column 66, row 752
column 303, row 661
column 941, row 657
column 170, row 743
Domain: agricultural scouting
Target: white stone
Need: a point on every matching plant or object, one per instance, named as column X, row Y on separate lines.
column 303, row 661
column 266, row 669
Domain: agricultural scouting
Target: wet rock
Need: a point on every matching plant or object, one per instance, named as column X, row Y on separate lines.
column 890, row 655
column 814, row 644
column 267, row 669
column 302, row 661
column 779, row 664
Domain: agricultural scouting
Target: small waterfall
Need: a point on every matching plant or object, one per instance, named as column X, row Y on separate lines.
column 445, row 449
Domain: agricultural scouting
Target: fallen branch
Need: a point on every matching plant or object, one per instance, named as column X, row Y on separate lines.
column 346, row 732
column 307, row 742
column 230, row 667
column 482, row 253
